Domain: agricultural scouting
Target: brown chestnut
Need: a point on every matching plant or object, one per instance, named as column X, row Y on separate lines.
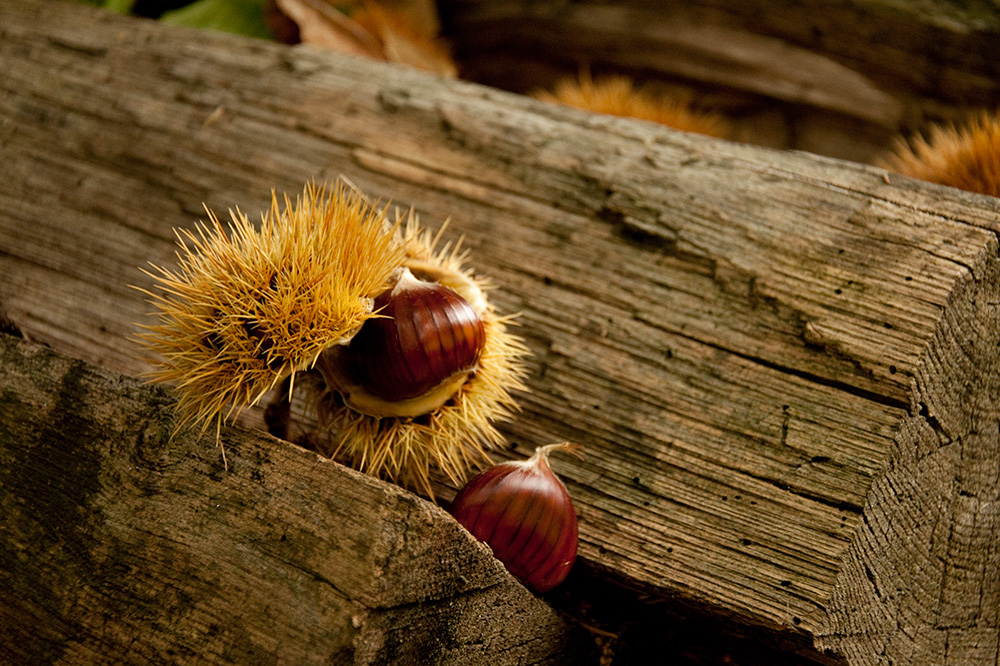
column 415, row 353
column 524, row 513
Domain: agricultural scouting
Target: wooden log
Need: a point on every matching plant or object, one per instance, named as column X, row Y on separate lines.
column 841, row 79
column 123, row 545
column 783, row 368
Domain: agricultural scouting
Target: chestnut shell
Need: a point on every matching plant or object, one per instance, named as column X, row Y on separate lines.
column 424, row 334
column 524, row 513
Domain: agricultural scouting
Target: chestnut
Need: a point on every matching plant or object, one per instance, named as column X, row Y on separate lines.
column 423, row 343
column 524, row 513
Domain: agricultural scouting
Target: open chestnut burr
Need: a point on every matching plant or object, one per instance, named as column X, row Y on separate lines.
column 411, row 364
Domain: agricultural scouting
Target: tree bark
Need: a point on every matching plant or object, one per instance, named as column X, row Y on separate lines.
column 783, row 367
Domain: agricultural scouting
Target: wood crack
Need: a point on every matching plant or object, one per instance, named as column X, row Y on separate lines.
column 678, row 296
column 873, row 396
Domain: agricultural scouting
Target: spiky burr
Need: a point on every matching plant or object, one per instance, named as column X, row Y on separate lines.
column 455, row 435
column 249, row 309
column 246, row 307
column 617, row 95
column 966, row 156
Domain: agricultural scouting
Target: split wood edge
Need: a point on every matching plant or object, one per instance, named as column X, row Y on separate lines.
column 125, row 544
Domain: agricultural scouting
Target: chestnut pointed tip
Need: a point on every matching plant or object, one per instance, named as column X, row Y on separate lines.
column 569, row 447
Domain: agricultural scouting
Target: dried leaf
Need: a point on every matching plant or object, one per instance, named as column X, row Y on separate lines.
column 322, row 25
column 404, row 42
column 400, row 31
column 420, row 15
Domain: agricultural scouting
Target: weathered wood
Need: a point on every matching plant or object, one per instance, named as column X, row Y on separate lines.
column 835, row 78
column 124, row 546
column 783, row 368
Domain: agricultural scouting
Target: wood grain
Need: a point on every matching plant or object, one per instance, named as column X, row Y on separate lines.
column 782, row 367
column 840, row 79
column 124, row 545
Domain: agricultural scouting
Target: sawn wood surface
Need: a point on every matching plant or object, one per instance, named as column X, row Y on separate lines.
column 783, row 368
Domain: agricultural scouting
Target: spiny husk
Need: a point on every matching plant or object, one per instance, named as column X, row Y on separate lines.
column 618, row 96
column 456, row 436
column 246, row 308
column 966, row 157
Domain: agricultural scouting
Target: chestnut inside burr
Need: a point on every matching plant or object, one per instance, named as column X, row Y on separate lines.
column 424, row 334
column 411, row 357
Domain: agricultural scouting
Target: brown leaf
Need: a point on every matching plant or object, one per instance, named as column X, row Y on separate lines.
column 420, row 15
column 322, row 25
column 405, row 42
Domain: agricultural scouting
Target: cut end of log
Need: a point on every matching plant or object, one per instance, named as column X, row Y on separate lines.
column 919, row 584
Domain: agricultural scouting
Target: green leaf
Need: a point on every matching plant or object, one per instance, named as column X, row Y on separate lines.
column 244, row 17
column 120, row 6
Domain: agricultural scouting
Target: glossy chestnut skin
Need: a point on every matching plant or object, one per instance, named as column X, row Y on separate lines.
column 525, row 514
column 424, row 334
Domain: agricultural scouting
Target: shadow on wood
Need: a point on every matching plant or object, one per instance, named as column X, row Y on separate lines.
column 122, row 545
column 784, row 368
